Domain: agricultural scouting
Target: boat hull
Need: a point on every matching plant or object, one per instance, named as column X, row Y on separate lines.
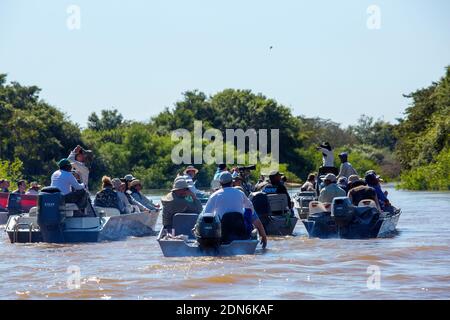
column 280, row 226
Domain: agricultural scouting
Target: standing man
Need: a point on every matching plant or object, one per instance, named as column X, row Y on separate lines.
column 346, row 169
column 80, row 159
column 327, row 154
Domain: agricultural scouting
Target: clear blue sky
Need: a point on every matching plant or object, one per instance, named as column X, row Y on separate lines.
column 139, row 56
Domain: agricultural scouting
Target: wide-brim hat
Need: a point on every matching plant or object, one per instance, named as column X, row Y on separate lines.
column 275, row 173
column 190, row 168
column 128, row 177
column 330, row 177
column 135, row 182
column 180, row 184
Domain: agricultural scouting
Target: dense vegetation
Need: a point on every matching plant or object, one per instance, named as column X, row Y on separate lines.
column 35, row 134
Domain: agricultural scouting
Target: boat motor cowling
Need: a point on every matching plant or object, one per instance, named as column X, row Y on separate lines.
column 50, row 218
column 343, row 211
column 208, row 231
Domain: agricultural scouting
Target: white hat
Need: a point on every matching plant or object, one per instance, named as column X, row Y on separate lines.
column 330, row 177
column 180, row 184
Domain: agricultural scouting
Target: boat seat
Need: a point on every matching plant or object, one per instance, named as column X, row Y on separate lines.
column 317, row 207
column 107, row 212
column 183, row 223
column 69, row 209
column 278, row 202
column 33, row 212
column 367, row 203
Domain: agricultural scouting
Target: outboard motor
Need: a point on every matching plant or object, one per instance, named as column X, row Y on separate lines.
column 343, row 211
column 49, row 217
column 208, row 231
column 261, row 204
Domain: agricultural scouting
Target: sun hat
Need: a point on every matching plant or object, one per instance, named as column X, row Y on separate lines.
column 225, row 177
column 275, row 173
column 128, row 177
column 180, row 184
column 330, row 177
column 353, row 178
column 34, row 184
column 190, row 168
column 135, row 182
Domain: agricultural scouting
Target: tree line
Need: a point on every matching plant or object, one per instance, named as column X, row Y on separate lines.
column 35, row 134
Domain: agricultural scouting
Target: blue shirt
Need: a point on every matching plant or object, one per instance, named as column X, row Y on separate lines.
column 380, row 194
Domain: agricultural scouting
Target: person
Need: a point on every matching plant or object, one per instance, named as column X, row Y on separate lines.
column 310, row 184
column 64, row 180
column 331, row 189
column 133, row 202
column 343, row 183
column 354, row 181
column 80, row 158
column 346, row 169
column 231, row 200
column 5, row 186
column 21, row 187
column 189, row 175
column 215, row 184
column 107, row 197
column 119, row 188
column 283, row 180
column 372, row 181
column 179, row 200
column 327, row 154
column 34, row 188
column 135, row 189
column 237, row 183
column 274, row 185
column 363, row 192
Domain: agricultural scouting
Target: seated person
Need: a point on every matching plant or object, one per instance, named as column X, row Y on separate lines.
column 179, row 200
column 372, row 181
column 189, row 175
column 363, row 193
column 275, row 186
column 72, row 191
column 310, row 184
column 331, row 190
column 237, row 183
column 135, row 189
column 354, row 181
column 343, row 183
column 107, row 197
column 21, row 187
column 231, row 200
column 119, row 188
column 34, row 188
column 5, row 186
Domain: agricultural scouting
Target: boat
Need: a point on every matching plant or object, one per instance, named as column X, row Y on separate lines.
column 15, row 203
column 342, row 219
column 53, row 221
column 301, row 203
column 182, row 242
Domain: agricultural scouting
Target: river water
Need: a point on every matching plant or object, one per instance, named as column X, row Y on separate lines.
column 415, row 264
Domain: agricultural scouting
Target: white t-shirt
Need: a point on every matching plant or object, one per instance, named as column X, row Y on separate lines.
column 327, row 157
column 227, row 200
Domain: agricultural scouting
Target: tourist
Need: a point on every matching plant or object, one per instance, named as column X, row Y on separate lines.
column 189, row 175
column 119, row 188
column 5, row 186
column 343, row 183
column 64, row 180
column 34, row 188
column 80, row 160
column 275, row 186
column 108, row 198
column 179, row 200
column 21, row 187
column 215, row 184
column 362, row 192
column 346, row 169
column 231, row 200
column 310, row 184
column 237, row 184
column 135, row 189
column 372, row 180
column 331, row 190
column 327, row 154
column 354, row 181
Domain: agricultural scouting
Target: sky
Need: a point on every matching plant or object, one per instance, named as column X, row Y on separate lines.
column 332, row 59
